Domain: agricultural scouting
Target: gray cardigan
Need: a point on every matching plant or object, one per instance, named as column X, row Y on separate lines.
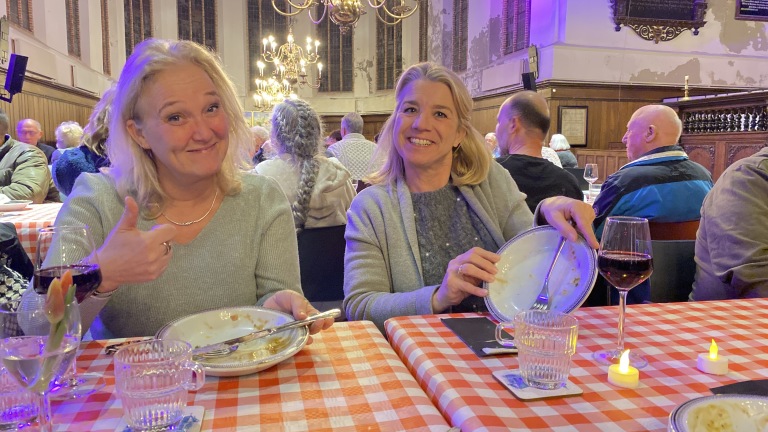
column 382, row 265
column 247, row 252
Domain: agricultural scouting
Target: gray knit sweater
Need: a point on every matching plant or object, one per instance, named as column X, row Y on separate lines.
column 383, row 273
column 247, row 252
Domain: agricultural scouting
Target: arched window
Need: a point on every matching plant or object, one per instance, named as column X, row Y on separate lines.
column 389, row 53
column 517, row 24
column 138, row 23
column 73, row 27
column 336, row 52
column 460, row 36
column 263, row 20
column 197, row 21
column 19, row 12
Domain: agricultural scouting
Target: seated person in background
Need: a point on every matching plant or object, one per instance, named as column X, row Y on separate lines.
column 91, row 156
column 732, row 241
column 178, row 227
column 523, row 122
column 549, row 154
column 492, row 144
column 559, row 143
column 29, row 131
column 260, row 136
column 318, row 188
column 353, row 151
column 68, row 135
column 24, row 173
column 422, row 239
column 659, row 183
column 332, row 138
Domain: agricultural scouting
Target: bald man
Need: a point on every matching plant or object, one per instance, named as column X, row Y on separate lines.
column 522, row 125
column 659, row 183
column 30, row 132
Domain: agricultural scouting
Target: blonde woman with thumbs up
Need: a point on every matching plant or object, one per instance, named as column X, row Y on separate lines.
column 178, row 225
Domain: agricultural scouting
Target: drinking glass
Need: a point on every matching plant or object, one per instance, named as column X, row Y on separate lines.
column 625, row 260
column 545, row 340
column 152, row 379
column 33, row 355
column 62, row 248
column 590, row 175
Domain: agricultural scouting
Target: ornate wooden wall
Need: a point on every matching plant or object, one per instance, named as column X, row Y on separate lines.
column 50, row 104
column 718, row 131
column 372, row 124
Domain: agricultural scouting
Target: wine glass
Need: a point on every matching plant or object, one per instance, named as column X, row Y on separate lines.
column 34, row 355
column 62, row 248
column 590, row 175
column 625, row 261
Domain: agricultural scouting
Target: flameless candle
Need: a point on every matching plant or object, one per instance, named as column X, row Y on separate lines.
column 712, row 363
column 686, row 80
column 622, row 374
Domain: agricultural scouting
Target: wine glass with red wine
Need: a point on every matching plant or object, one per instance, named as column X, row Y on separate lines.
column 62, row 248
column 625, row 260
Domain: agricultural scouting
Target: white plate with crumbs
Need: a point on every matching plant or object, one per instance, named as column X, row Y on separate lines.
column 14, row 205
column 217, row 325
column 724, row 413
column 524, row 262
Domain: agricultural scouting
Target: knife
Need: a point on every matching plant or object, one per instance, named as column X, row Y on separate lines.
column 259, row 334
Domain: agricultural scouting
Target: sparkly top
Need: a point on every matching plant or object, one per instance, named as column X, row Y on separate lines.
column 447, row 227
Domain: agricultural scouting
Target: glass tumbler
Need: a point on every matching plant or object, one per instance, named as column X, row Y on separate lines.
column 152, row 379
column 545, row 341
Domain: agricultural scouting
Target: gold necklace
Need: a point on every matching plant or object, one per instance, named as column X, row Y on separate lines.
column 216, row 195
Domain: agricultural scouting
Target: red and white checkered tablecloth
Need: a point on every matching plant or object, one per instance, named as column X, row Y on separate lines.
column 669, row 335
column 29, row 221
column 348, row 379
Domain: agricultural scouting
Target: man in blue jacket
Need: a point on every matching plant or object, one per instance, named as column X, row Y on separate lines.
column 659, row 183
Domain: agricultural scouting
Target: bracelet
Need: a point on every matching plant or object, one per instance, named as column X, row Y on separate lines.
column 101, row 295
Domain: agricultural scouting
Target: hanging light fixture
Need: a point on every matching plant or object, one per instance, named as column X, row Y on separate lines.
column 270, row 92
column 291, row 60
column 346, row 13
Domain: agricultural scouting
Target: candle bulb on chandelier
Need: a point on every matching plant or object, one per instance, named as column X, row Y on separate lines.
column 317, row 44
column 264, row 41
column 319, row 70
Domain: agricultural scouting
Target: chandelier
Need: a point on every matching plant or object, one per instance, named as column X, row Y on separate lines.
column 291, row 61
column 346, row 13
column 270, row 92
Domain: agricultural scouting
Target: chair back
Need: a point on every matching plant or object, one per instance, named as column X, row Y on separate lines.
column 579, row 174
column 673, row 230
column 673, row 270
column 321, row 259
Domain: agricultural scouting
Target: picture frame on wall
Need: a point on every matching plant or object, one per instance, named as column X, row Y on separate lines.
column 572, row 122
column 752, row 10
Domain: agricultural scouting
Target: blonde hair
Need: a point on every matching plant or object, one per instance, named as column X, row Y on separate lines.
column 96, row 131
column 471, row 161
column 68, row 133
column 133, row 168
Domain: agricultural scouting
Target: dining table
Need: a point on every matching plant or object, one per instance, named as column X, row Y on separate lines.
column 348, row 379
column 669, row 335
column 29, row 221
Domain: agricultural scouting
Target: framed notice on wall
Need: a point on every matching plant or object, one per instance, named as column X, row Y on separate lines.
column 752, row 10
column 573, row 124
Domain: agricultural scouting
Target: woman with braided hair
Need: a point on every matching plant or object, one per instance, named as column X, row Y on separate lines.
column 318, row 188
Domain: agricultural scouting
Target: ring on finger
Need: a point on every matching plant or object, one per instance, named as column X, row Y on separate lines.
column 461, row 270
column 167, row 245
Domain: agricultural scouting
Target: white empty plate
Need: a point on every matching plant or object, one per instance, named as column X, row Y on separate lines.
column 747, row 412
column 525, row 260
column 217, row 325
column 14, row 205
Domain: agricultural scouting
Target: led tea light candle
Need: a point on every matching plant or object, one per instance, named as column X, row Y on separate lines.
column 712, row 363
column 686, row 81
column 622, row 374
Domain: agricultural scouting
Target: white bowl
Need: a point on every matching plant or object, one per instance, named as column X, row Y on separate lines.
column 218, row 325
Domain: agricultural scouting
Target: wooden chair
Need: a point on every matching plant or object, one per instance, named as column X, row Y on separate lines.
column 673, row 270
column 673, row 230
column 321, row 260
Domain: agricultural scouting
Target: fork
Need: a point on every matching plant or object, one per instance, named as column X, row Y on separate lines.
column 542, row 301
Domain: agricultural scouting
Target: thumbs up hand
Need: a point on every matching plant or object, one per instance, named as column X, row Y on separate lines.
column 129, row 255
